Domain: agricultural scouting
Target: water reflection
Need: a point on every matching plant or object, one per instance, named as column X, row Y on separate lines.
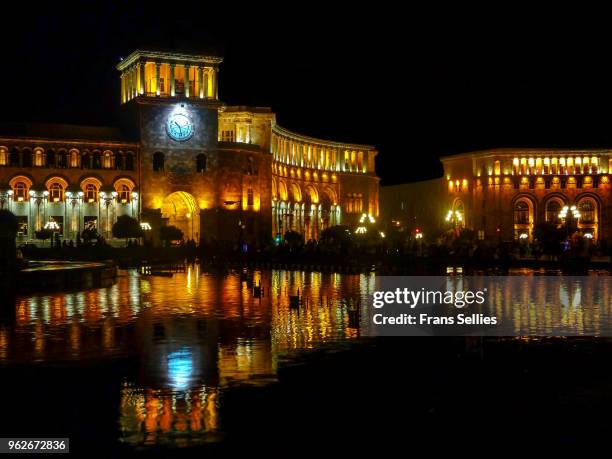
column 196, row 334
column 192, row 336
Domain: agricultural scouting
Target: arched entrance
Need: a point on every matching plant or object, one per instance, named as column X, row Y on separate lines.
column 181, row 210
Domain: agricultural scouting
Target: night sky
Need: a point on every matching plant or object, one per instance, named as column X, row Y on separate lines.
column 418, row 85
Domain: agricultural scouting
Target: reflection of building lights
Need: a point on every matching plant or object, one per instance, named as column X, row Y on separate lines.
column 145, row 226
column 361, row 230
column 180, row 368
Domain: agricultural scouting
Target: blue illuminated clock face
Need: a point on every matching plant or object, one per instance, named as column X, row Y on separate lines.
column 179, row 127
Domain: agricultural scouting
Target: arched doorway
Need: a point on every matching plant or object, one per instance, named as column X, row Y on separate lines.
column 588, row 224
column 181, row 210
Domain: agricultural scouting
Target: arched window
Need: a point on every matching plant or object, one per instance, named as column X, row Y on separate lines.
column 56, row 192
column 14, row 157
column 521, row 213
column 39, row 157
column 158, row 162
column 108, row 159
column 3, row 157
column 50, row 158
column 26, row 157
column 587, row 211
column 124, row 194
column 62, row 159
column 86, row 160
column 129, row 161
column 74, row 158
column 201, row 163
column 97, row 160
column 553, row 208
column 91, row 193
column 20, row 192
column 120, row 161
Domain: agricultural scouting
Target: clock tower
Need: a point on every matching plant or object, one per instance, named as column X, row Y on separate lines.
column 170, row 107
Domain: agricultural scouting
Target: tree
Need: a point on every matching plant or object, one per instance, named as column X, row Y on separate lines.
column 294, row 240
column 550, row 237
column 170, row 233
column 88, row 234
column 43, row 234
column 127, row 227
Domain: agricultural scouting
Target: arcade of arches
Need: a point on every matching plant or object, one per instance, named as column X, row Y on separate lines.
column 307, row 211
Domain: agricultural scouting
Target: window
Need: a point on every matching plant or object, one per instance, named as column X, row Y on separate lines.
column 201, row 163
column 587, row 211
column 158, row 162
column 129, row 161
column 20, row 192
column 227, row 136
column 50, row 158
column 3, row 157
column 86, row 160
column 97, row 160
column 26, row 158
column 108, row 160
column 56, row 192
column 62, row 159
column 250, row 197
column 552, row 211
column 91, row 193
column 124, row 194
column 14, row 158
column 521, row 213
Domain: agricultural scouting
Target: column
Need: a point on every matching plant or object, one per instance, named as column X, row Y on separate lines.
column 205, row 83
column 128, row 85
column 200, row 82
column 141, row 72
column 172, row 92
column 186, row 80
column 213, row 82
column 157, row 66
column 122, row 78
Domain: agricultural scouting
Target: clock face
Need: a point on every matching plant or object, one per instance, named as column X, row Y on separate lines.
column 179, row 127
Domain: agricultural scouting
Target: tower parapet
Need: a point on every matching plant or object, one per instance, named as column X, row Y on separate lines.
column 165, row 74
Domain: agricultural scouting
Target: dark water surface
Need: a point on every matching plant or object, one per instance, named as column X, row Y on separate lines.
column 195, row 364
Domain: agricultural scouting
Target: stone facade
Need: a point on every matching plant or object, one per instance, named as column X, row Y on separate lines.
column 180, row 157
column 504, row 194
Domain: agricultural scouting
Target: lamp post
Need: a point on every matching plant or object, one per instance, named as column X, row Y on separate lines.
column 570, row 217
column 455, row 218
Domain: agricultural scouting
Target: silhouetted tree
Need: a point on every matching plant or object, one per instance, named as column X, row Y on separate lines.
column 550, row 237
column 127, row 227
column 43, row 234
column 170, row 233
column 89, row 234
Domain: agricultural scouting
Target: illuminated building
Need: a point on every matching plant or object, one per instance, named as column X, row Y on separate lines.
column 181, row 157
column 503, row 194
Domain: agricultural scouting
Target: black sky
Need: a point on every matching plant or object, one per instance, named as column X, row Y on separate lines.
column 415, row 84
